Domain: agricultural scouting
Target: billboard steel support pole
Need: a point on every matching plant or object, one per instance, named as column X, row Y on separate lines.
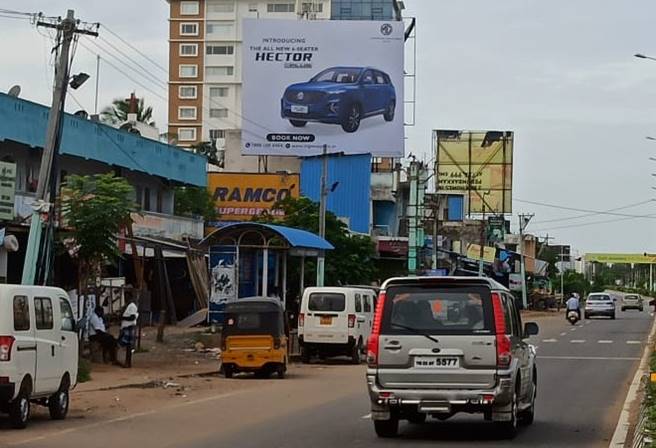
column 321, row 261
column 523, row 222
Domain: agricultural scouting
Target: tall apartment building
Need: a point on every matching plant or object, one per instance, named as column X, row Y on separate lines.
column 205, row 38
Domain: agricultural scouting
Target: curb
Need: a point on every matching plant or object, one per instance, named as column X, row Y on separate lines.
column 622, row 428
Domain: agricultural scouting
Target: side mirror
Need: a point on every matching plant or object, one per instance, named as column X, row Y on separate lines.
column 531, row 329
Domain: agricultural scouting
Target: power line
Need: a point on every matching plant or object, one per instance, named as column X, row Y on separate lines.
column 594, row 223
column 596, row 212
column 568, row 218
column 155, row 63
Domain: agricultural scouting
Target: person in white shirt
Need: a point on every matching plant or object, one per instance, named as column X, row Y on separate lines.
column 573, row 304
column 129, row 330
column 98, row 333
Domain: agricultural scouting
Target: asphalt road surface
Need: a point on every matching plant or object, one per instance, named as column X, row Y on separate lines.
column 584, row 373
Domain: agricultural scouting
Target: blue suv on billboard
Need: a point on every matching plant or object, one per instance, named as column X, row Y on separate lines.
column 340, row 95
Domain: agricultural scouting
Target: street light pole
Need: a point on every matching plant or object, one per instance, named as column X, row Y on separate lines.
column 321, row 261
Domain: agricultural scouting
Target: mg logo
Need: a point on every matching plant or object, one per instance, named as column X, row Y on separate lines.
column 300, row 96
column 386, row 29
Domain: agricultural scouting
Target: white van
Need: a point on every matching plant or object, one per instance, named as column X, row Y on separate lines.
column 335, row 321
column 38, row 351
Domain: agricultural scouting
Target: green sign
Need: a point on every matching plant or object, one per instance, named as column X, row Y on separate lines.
column 7, row 190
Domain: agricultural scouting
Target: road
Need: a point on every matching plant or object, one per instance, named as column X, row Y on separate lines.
column 584, row 372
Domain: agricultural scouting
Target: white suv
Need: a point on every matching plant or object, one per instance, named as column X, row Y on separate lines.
column 38, row 351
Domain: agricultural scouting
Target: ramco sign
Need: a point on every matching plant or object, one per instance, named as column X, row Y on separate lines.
column 241, row 196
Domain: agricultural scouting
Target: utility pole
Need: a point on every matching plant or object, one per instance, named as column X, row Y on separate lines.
column 39, row 248
column 482, row 242
column 321, row 261
column 523, row 222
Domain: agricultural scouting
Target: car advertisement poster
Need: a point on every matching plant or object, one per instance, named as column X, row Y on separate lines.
column 309, row 83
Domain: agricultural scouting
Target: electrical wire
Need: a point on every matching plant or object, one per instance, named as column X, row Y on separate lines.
column 155, row 63
column 592, row 223
column 596, row 212
column 568, row 218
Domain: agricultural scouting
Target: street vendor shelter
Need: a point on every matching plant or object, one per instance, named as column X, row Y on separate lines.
column 249, row 259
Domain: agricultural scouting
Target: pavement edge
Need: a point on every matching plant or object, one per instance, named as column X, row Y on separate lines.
column 622, row 428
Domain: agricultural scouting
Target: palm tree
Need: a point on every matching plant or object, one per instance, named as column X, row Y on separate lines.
column 117, row 113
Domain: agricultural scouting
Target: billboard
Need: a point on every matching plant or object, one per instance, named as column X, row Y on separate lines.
column 478, row 164
column 7, row 190
column 309, row 83
column 644, row 258
column 242, row 196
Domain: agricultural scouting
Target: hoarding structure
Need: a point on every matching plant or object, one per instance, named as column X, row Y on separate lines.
column 243, row 196
column 644, row 258
column 478, row 164
column 311, row 83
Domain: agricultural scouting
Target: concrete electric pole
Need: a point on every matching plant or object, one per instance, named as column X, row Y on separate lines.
column 323, row 197
column 523, row 222
column 39, row 249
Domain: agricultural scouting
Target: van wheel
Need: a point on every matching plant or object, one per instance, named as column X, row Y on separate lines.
column 280, row 371
column 19, row 410
column 387, row 428
column 228, row 371
column 356, row 352
column 305, row 355
column 58, row 402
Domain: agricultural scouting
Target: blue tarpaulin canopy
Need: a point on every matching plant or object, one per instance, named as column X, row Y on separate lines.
column 295, row 238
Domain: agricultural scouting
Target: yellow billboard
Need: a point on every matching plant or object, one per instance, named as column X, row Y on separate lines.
column 477, row 163
column 242, row 196
column 643, row 258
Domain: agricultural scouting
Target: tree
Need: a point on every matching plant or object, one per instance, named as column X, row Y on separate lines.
column 194, row 201
column 117, row 113
column 351, row 262
column 95, row 208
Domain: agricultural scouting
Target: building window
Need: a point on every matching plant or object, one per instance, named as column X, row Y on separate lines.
column 221, row 29
column 188, row 29
column 219, row 92
column 220, row 71
column 216, row 134
column 221, row 7
column 160, row 201
column 187, row 113
column 188, row 70
column 186, row 135
column 252, row 7
column 187, row 92
column 146, row 203
column 220, row 49
column 219, row 113
column 312, row 7
column 189, row 8
column 281, row 7
column 188, row 49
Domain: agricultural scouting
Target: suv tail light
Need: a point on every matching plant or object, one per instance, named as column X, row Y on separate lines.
column 504, row 346
column 301, row 319
column 6, row 342
column 351, row 320
column 372, row 346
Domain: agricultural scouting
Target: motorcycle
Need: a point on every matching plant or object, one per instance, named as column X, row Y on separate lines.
column 572, row 317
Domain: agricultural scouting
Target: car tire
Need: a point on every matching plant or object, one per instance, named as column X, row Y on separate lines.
column 305, row 355
column 352, row 118
column 389, row 111
column 356, row 353
column 612, row 316
column 387, row 428
column 19, row 410
column 59, row 401
column 228, row 371
column 528, row 416
column 640, row 309
column 508, row 429
column 298, row 123
column 417, row 418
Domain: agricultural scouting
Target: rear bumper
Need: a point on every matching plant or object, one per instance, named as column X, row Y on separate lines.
column 631, row 306
column 599, row 312
column 252, row 361
column 329, row 347
column 496, row 400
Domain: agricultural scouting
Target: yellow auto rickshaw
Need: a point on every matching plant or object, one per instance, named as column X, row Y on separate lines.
column 254, row 337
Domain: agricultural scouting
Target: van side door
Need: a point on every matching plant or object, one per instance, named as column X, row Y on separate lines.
column 69, row 341
column 25, row 353
column 360, row 320
column 48, row 357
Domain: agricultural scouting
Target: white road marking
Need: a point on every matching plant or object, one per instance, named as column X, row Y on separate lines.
column 634, row 342
column 604, row 341
column 577, row 341
column 366, row 417
column 549, row 340
column 588, row 358
column 563, row 333
column 573, row 329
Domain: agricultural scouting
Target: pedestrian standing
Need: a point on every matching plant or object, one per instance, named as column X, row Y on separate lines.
column 129, row 330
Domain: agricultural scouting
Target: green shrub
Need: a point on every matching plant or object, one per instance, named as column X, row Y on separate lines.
column 83, row 370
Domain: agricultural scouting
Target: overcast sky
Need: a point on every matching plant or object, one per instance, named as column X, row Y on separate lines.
column 560, row 74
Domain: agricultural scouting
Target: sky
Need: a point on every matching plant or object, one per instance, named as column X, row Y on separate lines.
column 560, row 74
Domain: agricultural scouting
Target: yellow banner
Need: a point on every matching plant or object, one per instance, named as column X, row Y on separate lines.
column 622, row 258
column 474, row 252
column 242, row 196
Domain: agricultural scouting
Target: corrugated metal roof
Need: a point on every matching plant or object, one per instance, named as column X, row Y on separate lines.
column 296, row 238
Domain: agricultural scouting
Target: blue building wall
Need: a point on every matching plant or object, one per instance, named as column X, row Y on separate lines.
column 25, row 122
column 352, row 198
column 362, row 10
column 456, row 208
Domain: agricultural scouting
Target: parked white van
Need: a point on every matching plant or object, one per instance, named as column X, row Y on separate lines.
column 38, row 351
column 335, row 321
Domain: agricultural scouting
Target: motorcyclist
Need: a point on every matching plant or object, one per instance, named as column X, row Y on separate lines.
column 573, row 304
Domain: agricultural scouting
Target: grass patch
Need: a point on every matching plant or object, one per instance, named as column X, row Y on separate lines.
column 83, row 370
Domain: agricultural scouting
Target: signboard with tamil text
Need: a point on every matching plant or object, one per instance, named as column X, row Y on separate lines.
column 7, row 190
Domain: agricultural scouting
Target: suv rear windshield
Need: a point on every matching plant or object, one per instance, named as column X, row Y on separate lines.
column 327, row 301
column 600, row 298
column 456, row 310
